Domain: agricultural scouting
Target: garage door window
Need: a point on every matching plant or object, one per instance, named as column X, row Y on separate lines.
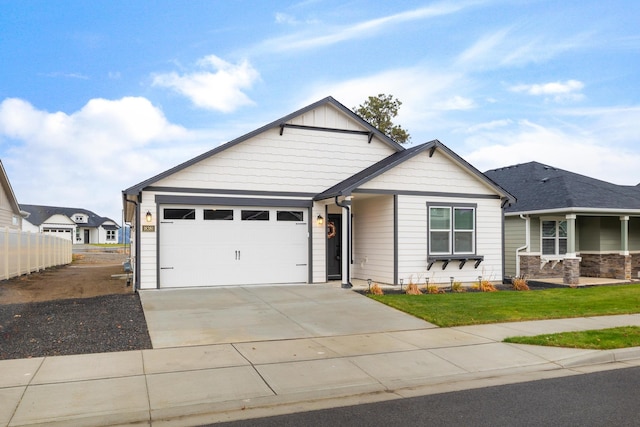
column 290, row 216
column 255, row 215
column 218, row 214
column 179, row 214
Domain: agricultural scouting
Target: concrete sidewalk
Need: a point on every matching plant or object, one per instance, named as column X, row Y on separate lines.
column 205, row 384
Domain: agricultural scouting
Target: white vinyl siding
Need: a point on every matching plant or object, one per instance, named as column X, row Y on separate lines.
column 319, row 243
column 373, row 239
column 435, row 174
column 299, row 160
column 515, row 230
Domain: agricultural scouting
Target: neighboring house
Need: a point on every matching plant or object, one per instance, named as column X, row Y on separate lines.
column 317, row 195
column 81, row 226
column 566, row 225
column 10, row 214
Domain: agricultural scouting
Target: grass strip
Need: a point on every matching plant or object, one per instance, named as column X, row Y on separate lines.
column 473, row 308
column 601, row 339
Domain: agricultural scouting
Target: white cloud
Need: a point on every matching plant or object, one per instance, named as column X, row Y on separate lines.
column 86, row 158
column 513, row 47
column 556, row 91
column 221, row 89
column 457, row 103
column 494, row 124
column 320, row 37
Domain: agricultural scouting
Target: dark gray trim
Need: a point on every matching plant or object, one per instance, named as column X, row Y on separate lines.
column 323, row 129
column 475, row 229
column 396, row 255
column 326, row 244
column 229, row 191
column 158, row 246
column 427, row 194
column 310, row 243
column 138, row 246
column 350, row 184
column 273, row 125
column 231, row 201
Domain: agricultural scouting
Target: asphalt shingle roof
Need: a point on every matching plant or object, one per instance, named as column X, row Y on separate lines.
column 39, row 214
column 541, row 187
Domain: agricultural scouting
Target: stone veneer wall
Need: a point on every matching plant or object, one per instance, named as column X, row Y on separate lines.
column 614, row 266
column 635, row 266
column 530, row 268
column 571, row 274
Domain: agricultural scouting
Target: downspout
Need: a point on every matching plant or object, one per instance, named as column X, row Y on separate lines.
column 527, row 240
column 348, row 248
column 137, row 240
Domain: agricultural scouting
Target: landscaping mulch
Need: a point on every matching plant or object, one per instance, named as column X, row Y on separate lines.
column 73, row 326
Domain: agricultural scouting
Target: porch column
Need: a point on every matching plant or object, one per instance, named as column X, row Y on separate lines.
column 624, row 235
column 571, row 263
column 346, row 242
column 571, row 236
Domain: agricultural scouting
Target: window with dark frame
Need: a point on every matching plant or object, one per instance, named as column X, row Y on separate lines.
column 247, row 215
column 297, row 216
column 451, row 230
column 179, row 213
column 218, row 214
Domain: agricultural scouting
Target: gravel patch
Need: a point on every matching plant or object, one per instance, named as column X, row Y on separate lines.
column 73, row 326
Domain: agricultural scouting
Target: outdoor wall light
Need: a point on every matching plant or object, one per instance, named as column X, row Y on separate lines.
column 148, row 216
column 319, row 220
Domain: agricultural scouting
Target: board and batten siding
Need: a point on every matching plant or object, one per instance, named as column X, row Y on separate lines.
column 299, row 160
column 412, row 241
column 373, row 252
column 319, row 244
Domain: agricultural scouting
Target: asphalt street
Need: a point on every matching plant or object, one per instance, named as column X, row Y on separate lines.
column 606, row 398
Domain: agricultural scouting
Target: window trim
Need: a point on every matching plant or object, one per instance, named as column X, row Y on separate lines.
column 452, row 207
column 556, row 238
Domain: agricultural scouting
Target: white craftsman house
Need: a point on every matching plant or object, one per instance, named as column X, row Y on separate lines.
column 79, row 225
column 317, row 195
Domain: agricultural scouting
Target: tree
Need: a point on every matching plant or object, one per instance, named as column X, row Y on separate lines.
column 379, row 111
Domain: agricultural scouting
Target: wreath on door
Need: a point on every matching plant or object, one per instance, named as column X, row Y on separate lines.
column 331, row 230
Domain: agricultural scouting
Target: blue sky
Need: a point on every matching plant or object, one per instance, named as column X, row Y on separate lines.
column 98, row 96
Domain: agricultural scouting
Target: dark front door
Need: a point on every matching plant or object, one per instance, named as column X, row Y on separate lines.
column 334, row 247
column 86, row 237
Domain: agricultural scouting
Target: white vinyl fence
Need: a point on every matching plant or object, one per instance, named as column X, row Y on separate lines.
column 24, row 252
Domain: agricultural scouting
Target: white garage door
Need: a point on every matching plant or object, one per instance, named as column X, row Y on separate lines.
column 217, row 246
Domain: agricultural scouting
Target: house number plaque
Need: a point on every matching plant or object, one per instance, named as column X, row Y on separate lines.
column 147, row 228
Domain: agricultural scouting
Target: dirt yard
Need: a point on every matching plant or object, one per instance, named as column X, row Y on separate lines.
column 89, row 275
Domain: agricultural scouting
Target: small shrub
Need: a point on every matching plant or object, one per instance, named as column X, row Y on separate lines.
column 519, row 284
column 487, row 286
column 434, row 289
column 412, row 289
column 376, row 289
column 457, row 287
column 76, row 257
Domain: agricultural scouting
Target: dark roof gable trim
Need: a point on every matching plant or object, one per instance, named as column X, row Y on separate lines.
column 328, row 100
column 323, row 129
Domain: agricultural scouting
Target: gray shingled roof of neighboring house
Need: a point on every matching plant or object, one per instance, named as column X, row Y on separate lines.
column 541, row 187
column 39, row 214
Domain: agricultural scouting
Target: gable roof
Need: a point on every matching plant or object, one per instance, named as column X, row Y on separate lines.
column 8, row 190
column 348, row 185
column 540, row 187
column 39, row 214
column 275, row 124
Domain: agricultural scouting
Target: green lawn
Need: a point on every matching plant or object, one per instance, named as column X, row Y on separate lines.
column 601, row 339
column 455, row 309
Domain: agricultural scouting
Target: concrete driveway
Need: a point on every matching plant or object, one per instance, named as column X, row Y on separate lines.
column 189, row 317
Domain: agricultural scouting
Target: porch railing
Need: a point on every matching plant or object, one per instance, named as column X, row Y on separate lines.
column 25, row 252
